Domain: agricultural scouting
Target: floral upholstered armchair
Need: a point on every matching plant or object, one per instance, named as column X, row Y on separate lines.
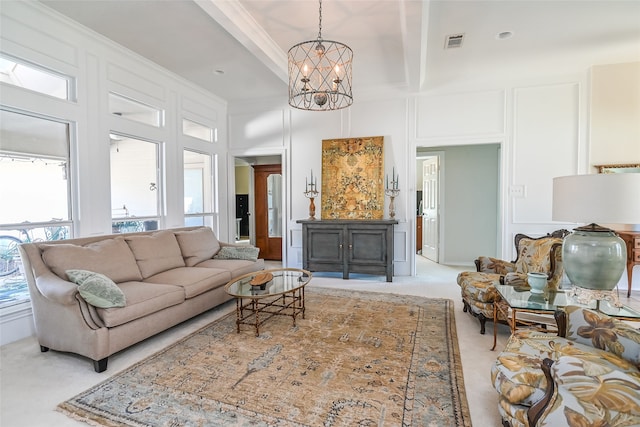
column 540, row 255
column 586, row 375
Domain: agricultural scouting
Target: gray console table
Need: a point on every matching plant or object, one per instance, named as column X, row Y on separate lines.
column 350, row 246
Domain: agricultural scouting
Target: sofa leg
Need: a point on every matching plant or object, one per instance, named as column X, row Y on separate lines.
column 483, row 320
column 44, row 349
column 464, row 306
column 100, row 365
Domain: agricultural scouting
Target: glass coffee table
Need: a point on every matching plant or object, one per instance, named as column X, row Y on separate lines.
column 280, row 293
column 540, row 308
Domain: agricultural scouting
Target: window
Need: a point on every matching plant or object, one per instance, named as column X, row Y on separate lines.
column 34, row 171
column 131, row 109
column 22, row 74
column 135, row 184
column 200, row 131
column 198, row 189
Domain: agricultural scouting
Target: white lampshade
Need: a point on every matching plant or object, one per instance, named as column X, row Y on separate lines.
column 598, row 198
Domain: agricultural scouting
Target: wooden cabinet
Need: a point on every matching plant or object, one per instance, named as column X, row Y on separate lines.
column 349, row 246
column 632, row 239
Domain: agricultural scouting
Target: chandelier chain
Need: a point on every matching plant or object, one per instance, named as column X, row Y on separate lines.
column 320, row 21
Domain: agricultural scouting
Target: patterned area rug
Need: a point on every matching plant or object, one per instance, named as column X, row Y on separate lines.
column 357, row 359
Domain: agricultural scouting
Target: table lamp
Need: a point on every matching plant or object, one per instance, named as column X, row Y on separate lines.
column 594, row 257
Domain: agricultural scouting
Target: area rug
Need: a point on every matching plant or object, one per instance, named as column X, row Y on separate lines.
column 357, row 359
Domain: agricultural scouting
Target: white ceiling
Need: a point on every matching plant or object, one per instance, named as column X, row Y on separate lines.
column 397, row 44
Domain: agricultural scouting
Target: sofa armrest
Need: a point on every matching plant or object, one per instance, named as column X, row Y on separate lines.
column 56, row 289
column 486, row 264
column 536, row 411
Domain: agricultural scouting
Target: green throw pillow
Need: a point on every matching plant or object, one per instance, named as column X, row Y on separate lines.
column 249, row 253
column 97, row 289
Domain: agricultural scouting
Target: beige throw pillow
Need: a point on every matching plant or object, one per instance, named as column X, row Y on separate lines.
column 156, row 252
column 249, row 253
column 197, row 245
column 111, row 257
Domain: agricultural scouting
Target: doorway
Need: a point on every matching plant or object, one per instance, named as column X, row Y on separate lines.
column 460, row 213
column 268, row 209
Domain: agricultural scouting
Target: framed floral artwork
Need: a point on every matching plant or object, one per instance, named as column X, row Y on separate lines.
column 352, row 175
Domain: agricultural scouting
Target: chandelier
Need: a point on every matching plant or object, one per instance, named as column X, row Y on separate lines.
column 320, row 74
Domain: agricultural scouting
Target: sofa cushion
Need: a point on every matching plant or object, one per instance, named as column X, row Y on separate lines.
column 156, row 252
column 143, row 299
column 249, row 253
column 194, row 280
column 197, row 245
column 237, row 267
column 111, row 257
column 97, row 289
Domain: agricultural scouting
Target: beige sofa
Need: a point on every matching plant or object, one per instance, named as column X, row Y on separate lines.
column 159, row 279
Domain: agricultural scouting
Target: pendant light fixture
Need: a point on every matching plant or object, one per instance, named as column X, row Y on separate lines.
column 320, row 74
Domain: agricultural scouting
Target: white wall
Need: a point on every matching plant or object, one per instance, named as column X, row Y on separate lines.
column 541, row 125
column 615, row 114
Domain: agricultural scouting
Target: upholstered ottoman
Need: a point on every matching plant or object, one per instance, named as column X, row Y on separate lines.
column 479, row 294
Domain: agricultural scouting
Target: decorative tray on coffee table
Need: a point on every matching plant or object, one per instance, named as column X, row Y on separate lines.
column 261, row 279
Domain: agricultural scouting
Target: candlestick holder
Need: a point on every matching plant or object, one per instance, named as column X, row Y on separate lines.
column 311, row 195
column 392, row 193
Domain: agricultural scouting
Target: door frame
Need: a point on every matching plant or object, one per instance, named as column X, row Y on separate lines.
column 283, row 153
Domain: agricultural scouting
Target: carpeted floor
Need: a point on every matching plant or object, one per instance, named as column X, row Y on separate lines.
column 358, row 358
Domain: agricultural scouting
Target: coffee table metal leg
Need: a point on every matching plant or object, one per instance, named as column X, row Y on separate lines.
column 238, row 313
column 256, row 313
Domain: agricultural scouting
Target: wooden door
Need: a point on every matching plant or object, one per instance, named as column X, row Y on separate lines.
column 268, row 210
column 430, row 208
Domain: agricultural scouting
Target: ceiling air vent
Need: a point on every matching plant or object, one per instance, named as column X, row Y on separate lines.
column 453, row 40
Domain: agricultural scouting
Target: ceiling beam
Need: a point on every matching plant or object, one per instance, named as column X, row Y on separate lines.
column 235, row 19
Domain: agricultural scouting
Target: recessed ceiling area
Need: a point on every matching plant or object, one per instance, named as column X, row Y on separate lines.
column 237, row 48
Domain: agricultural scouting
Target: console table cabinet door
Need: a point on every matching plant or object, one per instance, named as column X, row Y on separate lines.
column 350, row 246
column 323, row 249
